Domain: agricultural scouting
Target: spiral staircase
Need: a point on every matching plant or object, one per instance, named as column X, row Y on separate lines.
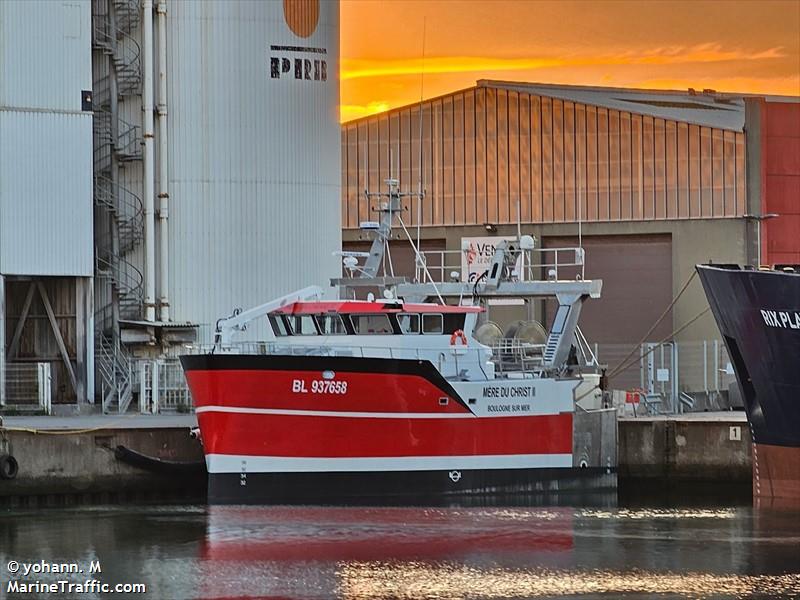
column 119, row 229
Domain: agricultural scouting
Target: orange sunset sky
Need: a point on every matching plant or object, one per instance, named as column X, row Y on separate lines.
column 736, row 46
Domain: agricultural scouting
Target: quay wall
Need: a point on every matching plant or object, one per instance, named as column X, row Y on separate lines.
column 659, row 450
column 84, row 464
column 675, row 450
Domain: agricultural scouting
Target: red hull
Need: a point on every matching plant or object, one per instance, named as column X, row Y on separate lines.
column 332, row 437
column 320, row 430
column 776, row 472
column 401, row 412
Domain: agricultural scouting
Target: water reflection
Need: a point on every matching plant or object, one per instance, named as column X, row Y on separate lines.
column 481, row 552
column 377, row 580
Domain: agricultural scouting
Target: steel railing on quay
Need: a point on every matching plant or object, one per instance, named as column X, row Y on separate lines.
column 675, row 376
column 28, row 387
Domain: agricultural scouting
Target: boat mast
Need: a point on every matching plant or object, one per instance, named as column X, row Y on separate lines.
column 389, row 205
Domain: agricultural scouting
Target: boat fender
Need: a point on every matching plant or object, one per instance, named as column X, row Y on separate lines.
column 458, row 334
column 9, row 467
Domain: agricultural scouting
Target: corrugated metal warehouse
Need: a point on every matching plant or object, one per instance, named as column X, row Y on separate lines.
column 658, row 179
column 46, row 241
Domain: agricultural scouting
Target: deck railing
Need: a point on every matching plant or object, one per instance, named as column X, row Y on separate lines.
column 702, row 372
column 533, row 265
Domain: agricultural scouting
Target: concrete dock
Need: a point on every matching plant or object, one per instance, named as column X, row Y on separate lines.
column 705, row 447
column 75, row 459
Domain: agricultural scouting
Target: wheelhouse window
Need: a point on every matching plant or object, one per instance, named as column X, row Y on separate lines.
column 330, row 324
column 376, row 324
column 302, row 325
column 453, row 322
column 279, row 325
column 409, row 323
column 432, row 323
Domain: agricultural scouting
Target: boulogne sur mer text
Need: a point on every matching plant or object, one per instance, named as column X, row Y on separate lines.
column 781, row 319
column 497, row 391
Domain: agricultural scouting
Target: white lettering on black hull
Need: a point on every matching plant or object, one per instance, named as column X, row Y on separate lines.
column 781, row 319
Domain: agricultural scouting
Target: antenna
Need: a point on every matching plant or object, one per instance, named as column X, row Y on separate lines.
column 580, row 224
column 421, row 96
column 521, row 274
column 388, row 238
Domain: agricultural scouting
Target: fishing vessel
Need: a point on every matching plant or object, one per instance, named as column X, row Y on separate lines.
column 408, row 397
column 758, row 314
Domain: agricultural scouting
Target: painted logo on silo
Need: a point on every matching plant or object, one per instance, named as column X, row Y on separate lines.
column 301, row 16
column 290, row 62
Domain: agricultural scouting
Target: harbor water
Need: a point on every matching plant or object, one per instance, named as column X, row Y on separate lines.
column 211, row 552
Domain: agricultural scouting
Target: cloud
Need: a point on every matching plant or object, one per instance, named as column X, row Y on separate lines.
column 348, row 112
column 674, row 55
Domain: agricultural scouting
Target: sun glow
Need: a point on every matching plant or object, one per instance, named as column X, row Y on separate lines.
column 749, row 47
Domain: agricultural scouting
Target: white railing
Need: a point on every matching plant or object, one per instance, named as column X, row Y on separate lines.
column 28, row 386
column 162, row 386
column 673, row 371
column 512, row 355
column 358, row 351
column 535, row 265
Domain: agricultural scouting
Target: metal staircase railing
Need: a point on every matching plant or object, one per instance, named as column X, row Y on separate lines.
column 116, row 372
column 127, row 147
column 125, row 208
column 128, row 281
column 124, row 51
column 128, row 14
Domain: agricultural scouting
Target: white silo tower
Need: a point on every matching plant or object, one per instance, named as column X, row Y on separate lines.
column 253, row 153
column 223, row 164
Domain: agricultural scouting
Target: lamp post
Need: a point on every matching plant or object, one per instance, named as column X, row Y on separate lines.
column 758, row 219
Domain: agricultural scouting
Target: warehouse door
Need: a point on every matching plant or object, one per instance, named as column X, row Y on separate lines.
column 637, row 287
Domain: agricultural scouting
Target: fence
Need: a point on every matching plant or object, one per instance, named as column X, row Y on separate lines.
column 28, row 387
column 162, row 386
column 679, row 373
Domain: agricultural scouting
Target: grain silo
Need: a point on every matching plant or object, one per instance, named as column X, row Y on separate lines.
column 223, row 164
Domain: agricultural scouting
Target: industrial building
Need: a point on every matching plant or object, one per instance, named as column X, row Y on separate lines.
column 158, row 161
column 658, row 180
column 46, row 240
